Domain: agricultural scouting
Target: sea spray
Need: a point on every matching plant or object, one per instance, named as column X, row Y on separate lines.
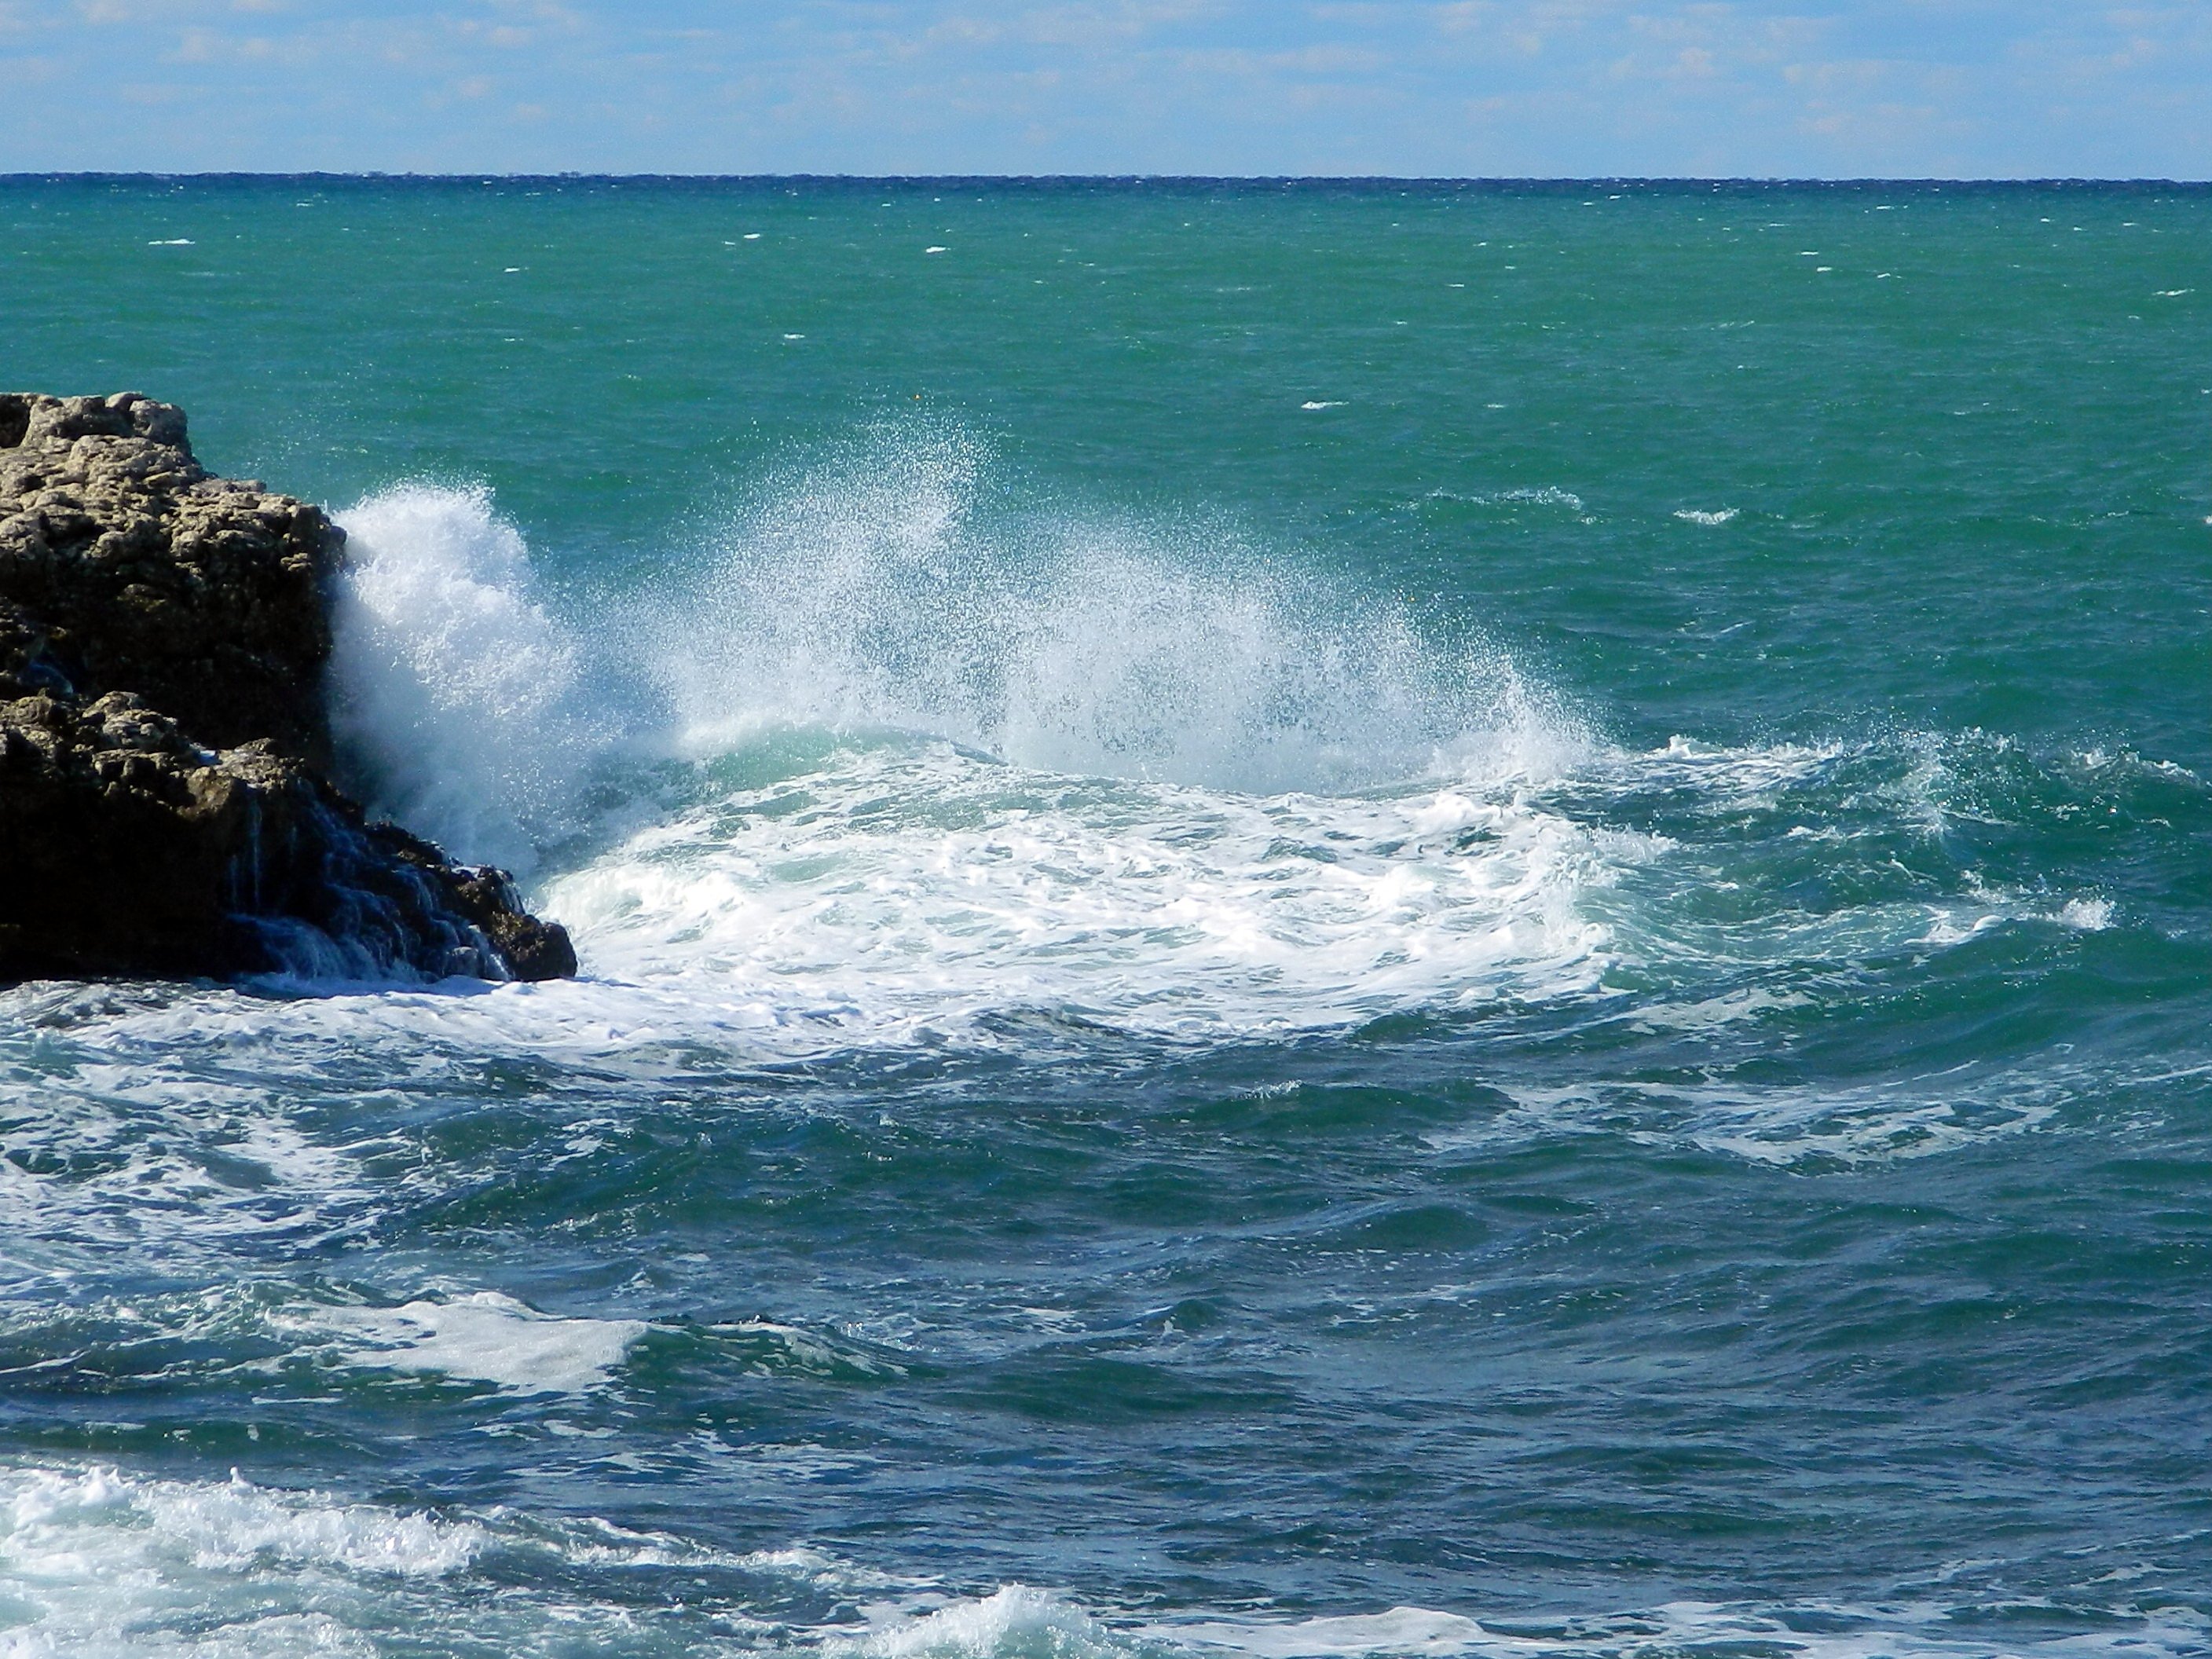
column 455, row 693
column 878, row 594
column 892, row 753
column 903, row 585
column 964, row 657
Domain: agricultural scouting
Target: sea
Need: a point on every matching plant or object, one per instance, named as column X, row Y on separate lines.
column 1318, row 918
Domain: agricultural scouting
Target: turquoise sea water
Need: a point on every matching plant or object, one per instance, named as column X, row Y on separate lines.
column 1316, row 920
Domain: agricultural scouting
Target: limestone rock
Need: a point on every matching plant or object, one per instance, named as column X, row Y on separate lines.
column 163, row 810
column 124, row 566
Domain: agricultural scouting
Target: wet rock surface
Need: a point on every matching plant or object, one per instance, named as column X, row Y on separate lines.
column 164, row 807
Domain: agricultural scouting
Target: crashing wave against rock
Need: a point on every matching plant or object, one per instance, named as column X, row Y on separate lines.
column 163, row 810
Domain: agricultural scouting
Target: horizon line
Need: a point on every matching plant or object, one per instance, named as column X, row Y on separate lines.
column 1923, row 181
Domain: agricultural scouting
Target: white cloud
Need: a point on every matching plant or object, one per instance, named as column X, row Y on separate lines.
column 1769, row 87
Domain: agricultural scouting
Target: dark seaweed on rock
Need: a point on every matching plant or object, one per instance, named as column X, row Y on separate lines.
column 163, row 809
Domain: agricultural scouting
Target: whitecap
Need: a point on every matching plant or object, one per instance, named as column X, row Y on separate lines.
column 54, row 1519
column 1018, row 1621
column 1402, row 1630
column 482, row 1336
column 1012, row 1621
column 1547, row 496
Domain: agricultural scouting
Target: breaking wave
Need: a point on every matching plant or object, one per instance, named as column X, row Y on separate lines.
column 879, row 730
column 886, row 751
column 97, row 1564
column 888, row 595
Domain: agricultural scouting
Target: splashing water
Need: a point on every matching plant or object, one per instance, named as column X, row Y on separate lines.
column 876, row 607
column 877, row 596
column 885, row 753
column 457, row 697
column 880, row 594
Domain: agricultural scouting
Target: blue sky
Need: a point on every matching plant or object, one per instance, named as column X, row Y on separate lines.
column 1893, row 88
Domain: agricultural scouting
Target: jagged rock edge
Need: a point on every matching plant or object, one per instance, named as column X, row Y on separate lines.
column 194, row 831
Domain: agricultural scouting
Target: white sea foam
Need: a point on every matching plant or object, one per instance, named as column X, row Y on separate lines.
column 96, row 1563
column 904, row 889
column 237, row 1524
column 127, row 1150
column 885, row 894
column 1896, row 1632
column 1019, row 1622
column 1696, row 515
column 1886, row 1122
column 1401, row 1630
column 482, row 1336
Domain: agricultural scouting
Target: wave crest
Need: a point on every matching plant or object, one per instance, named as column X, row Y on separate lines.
column 894, row 591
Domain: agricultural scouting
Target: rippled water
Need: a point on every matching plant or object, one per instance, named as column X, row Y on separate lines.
column 1316, row 922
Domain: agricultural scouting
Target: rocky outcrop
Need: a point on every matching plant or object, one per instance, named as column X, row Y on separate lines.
column 164, row 809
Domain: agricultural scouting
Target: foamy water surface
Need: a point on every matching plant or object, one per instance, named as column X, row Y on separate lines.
column 1316, row 922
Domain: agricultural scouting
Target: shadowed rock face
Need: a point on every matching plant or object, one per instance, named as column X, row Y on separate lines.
column 163, row 806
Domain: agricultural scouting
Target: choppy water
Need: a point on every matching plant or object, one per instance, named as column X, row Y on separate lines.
column 1316, row 922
